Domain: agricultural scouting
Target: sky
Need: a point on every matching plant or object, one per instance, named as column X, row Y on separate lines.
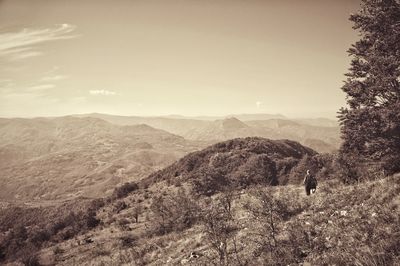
column 186, row 57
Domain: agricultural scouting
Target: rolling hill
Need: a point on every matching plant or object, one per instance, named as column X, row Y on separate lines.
column 50, row 158
column 238, row 163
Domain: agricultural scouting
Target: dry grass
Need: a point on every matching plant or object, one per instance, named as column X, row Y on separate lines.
column 339, row 225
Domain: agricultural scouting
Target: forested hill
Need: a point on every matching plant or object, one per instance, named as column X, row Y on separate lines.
column 237, row 163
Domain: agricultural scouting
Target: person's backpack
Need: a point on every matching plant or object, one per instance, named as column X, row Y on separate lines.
column 313, row 182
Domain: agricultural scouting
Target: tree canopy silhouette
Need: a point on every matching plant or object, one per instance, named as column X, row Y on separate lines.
column 370, row 124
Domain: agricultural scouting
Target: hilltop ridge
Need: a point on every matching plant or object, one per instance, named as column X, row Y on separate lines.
column 238, row 163
column 321, row 134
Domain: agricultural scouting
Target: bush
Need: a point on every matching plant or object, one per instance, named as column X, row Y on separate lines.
column 173, row 212
column 124, row 190
column 96, row 204
column 210, row 181
column 30, row 228
column 31, row 260
column 91, row 220
column 220, row 229
column 127, row 241
column 137, row 211
column 119, row 206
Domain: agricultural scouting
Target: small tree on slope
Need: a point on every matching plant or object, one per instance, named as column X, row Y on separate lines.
column 370, row 124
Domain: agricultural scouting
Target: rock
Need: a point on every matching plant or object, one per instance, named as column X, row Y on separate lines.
column 88, row 240
column 343, row 213
column 303, row 253
column 328, row 245
column 194, row 255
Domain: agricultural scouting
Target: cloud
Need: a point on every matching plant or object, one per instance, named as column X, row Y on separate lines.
column 6, row 83
column 258, row 104
column 41, row 87
column 54, row 78
column 20, row 45
column 102, row 92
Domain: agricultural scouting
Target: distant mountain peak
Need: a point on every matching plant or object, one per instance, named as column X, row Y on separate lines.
column 232, row 123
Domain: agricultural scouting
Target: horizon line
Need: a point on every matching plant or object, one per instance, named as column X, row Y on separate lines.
column 177, row 116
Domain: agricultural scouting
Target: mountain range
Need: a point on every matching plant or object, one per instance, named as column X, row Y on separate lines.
column 49, row 158
column 88, row 155
column 320, row 134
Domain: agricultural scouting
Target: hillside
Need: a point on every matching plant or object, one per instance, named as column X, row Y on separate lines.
column 49, row 158
column 215, row 206
column 338, row 225
column 321, row 134
column 238, row 163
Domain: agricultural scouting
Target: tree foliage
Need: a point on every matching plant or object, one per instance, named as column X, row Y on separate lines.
column 371, row 121
column 173, row 212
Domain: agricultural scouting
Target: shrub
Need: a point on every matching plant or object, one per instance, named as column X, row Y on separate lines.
column 91, row 220
column 173, row 212
column 124, row 190
column 31, row 260
column 209, row 181
column 40, row 236
column 220, row 229
column 119, row 206
column 57, row 250
column 137, row 211
column 127, row 241
column 96, row 204
column 30, row 228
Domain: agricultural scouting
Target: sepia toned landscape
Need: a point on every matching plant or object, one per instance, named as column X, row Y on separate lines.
column 199, row 132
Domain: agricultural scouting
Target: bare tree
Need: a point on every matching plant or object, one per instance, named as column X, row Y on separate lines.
column 220, row 228
column 137, row 211
column 268, row 213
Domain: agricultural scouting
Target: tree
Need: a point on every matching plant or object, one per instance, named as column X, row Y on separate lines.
column 137, row 211
column 370, row 124
column 220, row 229
column 174, row 212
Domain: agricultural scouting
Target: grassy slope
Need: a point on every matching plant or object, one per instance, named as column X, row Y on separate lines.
column 339, row 225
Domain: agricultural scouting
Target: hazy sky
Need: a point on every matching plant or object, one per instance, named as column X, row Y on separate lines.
column 189, row 57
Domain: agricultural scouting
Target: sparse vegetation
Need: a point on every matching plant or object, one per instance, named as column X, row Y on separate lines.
column 25, row 230
column 124, row 190
column 233, row 225
column 174, row 212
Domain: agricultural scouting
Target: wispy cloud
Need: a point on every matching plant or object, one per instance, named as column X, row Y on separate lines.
column 21, row 45
column 41, row 87
column 102, row 92
column 54, row 78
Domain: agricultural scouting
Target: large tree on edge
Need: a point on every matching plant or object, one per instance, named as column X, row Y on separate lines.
column 370, row 124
